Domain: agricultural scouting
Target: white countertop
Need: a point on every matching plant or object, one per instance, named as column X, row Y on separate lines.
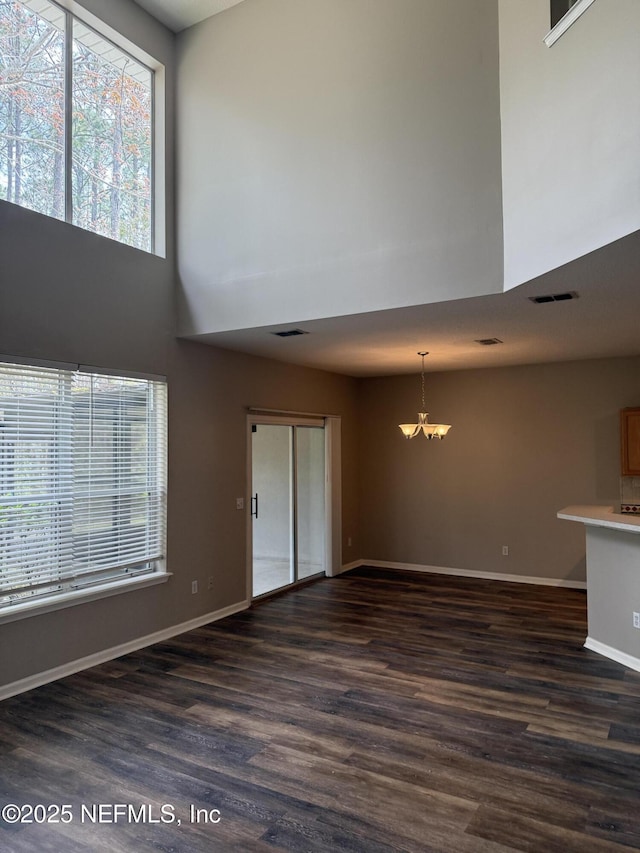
column 602, row 516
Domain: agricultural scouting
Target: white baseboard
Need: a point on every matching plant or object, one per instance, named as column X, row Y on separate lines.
column 467, row 573
column 105, row 655
column 348, row 566
column 613, row 654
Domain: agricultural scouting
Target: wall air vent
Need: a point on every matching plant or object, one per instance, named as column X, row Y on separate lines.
column 555, row 297
column 290, row 333
column 488, row 342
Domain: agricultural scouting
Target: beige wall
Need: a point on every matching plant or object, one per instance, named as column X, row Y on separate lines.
column 208, row 432
column 68, row 295
column 525, row 442
column 209, row 392
column 570, row 127
column 336, row 157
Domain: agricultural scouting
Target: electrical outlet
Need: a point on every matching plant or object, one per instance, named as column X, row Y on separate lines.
column 239, row 503
column 194, row 587
column 636, row 620
column 505, row 550
column 210, row 582
column 349, row 542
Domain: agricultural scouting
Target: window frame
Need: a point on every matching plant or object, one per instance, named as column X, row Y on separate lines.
column 569, row 18
column 88, row 590
column 73, row 11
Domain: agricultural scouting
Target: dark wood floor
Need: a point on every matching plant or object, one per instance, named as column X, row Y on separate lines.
column 373, row 712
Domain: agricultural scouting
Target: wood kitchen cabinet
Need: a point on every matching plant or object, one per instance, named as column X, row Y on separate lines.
column 630, row 441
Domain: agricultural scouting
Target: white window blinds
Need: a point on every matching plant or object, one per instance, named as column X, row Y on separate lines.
column 82, row 479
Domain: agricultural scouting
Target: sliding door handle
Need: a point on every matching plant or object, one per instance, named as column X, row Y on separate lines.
column 254, row 498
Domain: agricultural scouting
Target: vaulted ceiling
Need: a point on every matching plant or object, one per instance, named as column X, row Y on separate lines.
column 601, row 322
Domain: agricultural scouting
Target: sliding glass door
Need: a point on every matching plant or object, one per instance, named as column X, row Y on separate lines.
column 288, row 530
column 272, row 507
column 310, row 501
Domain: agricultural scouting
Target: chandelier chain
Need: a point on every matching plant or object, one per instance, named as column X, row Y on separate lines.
column 422, row 354
column 430, row 431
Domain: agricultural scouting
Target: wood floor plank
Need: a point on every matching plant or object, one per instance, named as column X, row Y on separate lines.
column 417, row 812
column 534, row 836
column 375, row 712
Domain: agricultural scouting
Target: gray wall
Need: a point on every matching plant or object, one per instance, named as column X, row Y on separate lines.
column 614, row 588
column 337, row 157
column 525, row 442
column 69, row 295
column 570, row 129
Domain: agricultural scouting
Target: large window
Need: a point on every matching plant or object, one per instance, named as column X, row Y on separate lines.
column 75, row 123
column 82, row 481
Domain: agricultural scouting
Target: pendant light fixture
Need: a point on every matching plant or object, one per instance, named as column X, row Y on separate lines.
column 429, row 430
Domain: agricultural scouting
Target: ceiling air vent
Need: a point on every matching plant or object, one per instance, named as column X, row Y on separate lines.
column 290, row 333
column 488, row 342
column 555, row 297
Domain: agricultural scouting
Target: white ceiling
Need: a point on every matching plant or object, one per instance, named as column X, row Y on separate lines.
column 180, row 14
column 603, row 322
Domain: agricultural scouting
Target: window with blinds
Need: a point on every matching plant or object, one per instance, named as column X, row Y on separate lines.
column 82, row 480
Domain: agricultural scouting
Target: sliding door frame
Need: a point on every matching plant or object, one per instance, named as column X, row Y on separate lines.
column 332, row 484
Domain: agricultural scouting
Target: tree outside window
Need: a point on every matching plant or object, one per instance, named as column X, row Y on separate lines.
column 90, row 161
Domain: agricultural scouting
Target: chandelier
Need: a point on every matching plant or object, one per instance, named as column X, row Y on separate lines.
column 429, row 430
